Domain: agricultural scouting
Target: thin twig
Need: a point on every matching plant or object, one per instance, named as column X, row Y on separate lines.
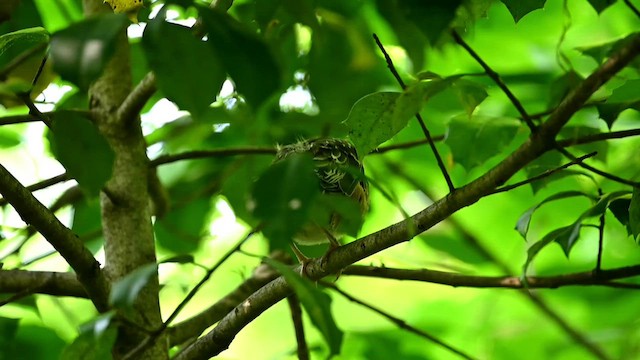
column 203, row 154
column 496, row 78
column 585, row 278
column 544, row 174
column 406, row 145
column 632, row 7
column 155, row 334
column 587, row 139
column 33, row 109
column 600, row 239
column 42, row 184
column 604, row 174
column 423, row 126
column 296, row 317
column 397, row 321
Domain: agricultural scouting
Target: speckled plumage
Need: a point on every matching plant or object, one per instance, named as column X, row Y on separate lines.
column 340, row 172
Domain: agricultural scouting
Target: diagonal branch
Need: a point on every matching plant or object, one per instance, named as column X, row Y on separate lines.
column 137, row 98
column 59, row 236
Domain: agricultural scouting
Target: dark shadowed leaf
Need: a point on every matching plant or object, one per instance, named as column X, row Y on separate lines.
column 469, row 93
column 125, row 292
column 81, row 51
column 475, row 141
column 522, row 226
column 283, row 197
column 346, row 208
column 601, row 5
column 8, row 330
column 316, row 303
column 82, row 150
column 620, row 209
column 408, row 34
column 634, row 213
column 95, row 340
column 181, row 229
column 520, row 8
column 432, row 17
column 568, row 236
column 187, row 70
column 238, row 49
column 34, row 342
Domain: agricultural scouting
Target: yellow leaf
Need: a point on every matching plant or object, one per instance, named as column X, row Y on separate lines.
column 129, row 7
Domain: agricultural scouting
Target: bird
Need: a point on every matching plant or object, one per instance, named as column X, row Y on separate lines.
column 341, row 173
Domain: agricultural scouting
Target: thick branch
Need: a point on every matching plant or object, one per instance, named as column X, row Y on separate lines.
column 59, row 236
column 41, row 282
column 135, row 101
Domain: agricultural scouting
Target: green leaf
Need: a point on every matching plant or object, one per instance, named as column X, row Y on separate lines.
column 520, row 8
column 20, row 43
column 82, row 150
column 245, row 56
column 34, row 342
column 522, row 226
column 432, row 17
column 81, row 51
column 181, row 229
column 125, row 291
column 546, row 240
column 316, row 303
column 568, row 236
column 634, row 213
column 95, row 341
column 187, row 70
column 87, row 217
column 370, row 121
column 602, row 51
column 377, row 117
column 475, row 141
column 623, row 97
column 626, row 93
column 9, row 138
column 469, row 93
column 21, row 56
column 283, row 197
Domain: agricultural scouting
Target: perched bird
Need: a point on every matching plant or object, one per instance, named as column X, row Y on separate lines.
column 340, row 172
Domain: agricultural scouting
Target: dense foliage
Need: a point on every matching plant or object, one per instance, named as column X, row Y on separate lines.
column 499, row 141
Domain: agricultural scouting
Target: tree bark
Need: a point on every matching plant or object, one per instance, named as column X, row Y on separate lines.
column 126, row 212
